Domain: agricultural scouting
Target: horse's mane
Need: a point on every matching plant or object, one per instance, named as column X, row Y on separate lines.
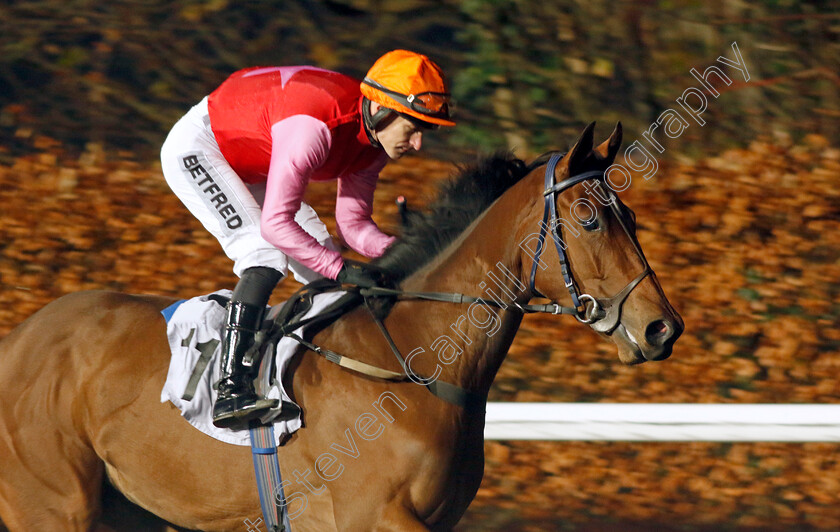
column 459, row 201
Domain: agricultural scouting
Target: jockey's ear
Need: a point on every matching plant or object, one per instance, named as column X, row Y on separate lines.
column 380, row 116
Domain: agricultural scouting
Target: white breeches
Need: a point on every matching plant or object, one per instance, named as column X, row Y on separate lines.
column 225, row 205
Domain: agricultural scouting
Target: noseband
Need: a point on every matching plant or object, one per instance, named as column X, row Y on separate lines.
column 602, row 314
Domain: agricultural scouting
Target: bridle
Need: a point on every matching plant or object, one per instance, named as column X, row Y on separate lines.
column 602, row 314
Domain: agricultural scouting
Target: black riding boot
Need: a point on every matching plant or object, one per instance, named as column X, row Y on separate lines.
column 237, row 402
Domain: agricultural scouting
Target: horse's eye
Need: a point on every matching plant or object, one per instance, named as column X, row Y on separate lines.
column 591, row 225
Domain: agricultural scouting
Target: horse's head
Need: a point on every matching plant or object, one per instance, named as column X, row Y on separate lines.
column 590, row 254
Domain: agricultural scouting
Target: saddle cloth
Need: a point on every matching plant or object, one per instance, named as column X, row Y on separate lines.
column 194, row 328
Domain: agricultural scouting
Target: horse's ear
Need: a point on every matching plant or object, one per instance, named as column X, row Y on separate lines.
column 580, row 151
column 609, row 149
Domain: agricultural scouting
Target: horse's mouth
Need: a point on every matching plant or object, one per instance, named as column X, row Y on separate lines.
column 629, row 351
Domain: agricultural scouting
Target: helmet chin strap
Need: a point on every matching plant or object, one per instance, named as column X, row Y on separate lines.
column 373, row 120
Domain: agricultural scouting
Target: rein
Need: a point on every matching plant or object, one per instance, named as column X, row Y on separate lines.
column 448, row 392
column 453, row 297
column 601, row 314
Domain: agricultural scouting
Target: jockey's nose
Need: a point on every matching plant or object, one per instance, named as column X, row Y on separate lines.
column 416, row 140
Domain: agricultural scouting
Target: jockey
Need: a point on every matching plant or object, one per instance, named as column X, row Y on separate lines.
column 241, row 160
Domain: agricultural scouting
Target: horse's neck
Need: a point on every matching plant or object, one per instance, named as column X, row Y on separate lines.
column 482, row 262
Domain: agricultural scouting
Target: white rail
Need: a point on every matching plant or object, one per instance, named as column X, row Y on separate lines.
column 663, row 422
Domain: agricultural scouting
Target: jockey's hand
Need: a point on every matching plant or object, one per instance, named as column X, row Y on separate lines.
column 362, row 275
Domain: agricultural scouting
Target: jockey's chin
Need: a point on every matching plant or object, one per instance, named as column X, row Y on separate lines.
column 397, row 152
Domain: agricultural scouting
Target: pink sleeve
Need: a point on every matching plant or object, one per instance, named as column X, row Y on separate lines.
column 299, row 144
column 353, row 209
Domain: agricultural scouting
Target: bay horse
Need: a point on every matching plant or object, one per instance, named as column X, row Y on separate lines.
column 82, row 378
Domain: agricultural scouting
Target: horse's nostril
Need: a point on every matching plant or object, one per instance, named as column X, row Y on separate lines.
column 658, row 332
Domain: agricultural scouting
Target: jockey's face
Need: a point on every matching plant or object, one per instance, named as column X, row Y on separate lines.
column 399, row 136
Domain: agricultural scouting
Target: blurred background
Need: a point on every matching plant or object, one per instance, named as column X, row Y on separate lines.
column 741, row 221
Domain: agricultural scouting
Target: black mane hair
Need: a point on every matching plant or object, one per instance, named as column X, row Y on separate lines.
column 459, row 201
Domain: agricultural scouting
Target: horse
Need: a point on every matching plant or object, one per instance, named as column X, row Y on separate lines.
column 82, row 377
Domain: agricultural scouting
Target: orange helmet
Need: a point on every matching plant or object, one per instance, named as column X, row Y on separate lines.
column 409, row 83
